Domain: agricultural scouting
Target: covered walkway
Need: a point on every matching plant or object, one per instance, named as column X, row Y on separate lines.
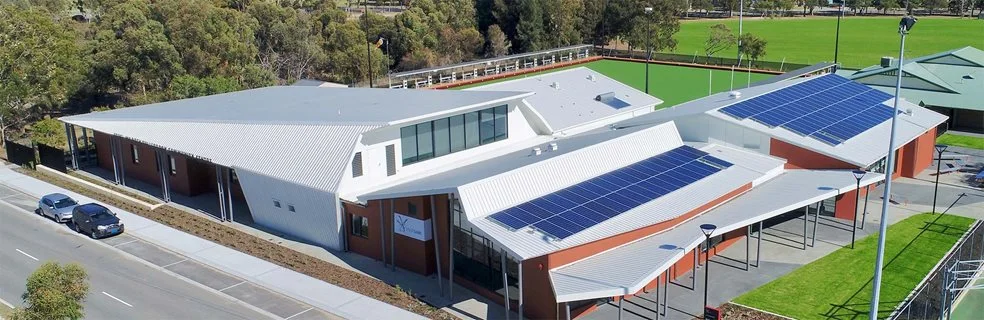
column 641, row 262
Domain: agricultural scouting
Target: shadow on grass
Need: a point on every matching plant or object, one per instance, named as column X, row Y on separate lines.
column 858, row 305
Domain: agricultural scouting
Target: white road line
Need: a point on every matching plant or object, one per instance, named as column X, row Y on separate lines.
column 171, row 264
column 232, row 286
column 118, row 299
column 117, row 245
column 7, row 304
column 29, row 256
column 299, row 313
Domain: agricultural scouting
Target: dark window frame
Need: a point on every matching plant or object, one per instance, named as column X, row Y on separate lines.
column 134, row 153
column 172, row 165
column 495, row 127
column 360, row 226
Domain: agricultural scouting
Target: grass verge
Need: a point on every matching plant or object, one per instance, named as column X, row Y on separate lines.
column 230, row 237
column 961, row 141
column 838, row 286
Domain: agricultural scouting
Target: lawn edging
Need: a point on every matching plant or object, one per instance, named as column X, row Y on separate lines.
column 235, row 239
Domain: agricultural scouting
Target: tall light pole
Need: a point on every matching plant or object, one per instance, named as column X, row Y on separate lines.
column 649, row 36
column 707, row 229
column 840, row 13
column 940, row 148
column 741, row 16
column 858, row 174
column 368, row 47
column 904, row 26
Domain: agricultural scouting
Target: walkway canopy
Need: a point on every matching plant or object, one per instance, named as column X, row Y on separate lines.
column 640, row 262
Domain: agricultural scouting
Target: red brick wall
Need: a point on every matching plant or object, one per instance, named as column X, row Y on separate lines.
column 800, row 158
column 411, row 254
column 193, row 176
column 919, row 154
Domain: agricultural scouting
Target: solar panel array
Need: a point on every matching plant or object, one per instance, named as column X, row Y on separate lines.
column 578, row 207
column 830, row 108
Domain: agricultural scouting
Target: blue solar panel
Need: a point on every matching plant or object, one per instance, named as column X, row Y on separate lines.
column 578, row 207
column 829, row 108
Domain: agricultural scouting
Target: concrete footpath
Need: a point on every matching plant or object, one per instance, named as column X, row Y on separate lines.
column 317, row 293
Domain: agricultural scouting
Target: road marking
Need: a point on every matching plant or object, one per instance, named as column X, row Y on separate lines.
column 29, row 256
column 118, row 299
column 230, row 287
column 7, row 304
column 299, row 313
column 134, row 240
column 171, row 264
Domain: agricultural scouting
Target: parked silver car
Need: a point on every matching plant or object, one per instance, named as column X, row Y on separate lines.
column 57, row 206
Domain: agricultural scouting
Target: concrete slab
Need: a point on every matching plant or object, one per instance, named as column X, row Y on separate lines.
column 224, row 258
column 312, row 290
column 117, row 240
column 313, row 314
column 181, row 242
column 204, row 275
column 266, row 300
column 149, row 253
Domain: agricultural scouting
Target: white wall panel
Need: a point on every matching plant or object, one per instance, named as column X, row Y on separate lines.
column 316, row 219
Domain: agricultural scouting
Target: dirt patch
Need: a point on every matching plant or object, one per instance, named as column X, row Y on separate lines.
column 219, row 233
column 732, row 311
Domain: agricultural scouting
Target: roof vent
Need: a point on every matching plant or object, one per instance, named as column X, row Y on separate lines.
column 555, row 85
column 968, row 77
column 591, row 77
column 605, row 96
column 536, row 151
column 887, row 61
column 908, row 111
column 553, row 146
column 734, row 94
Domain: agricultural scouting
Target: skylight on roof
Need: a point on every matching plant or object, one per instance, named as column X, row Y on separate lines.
column 611, row 100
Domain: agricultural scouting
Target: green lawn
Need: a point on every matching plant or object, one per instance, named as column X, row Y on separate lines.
column 838, row 286
column 672, row 84
column 961, row 141
column 863, row 40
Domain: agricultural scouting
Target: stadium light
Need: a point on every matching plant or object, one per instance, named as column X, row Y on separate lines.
column 905, row 25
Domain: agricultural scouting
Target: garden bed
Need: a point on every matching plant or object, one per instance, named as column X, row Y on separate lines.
column 222, row 234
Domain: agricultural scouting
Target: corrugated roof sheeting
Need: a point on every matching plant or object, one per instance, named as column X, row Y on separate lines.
column 642, row 261
column 508, row 189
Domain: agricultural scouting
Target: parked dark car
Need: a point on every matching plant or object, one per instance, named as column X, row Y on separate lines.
column 96, row 221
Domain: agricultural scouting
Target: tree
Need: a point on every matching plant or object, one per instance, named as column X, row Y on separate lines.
column 41, row 64
column 659, row 26
column 752, row 46
column 54, row 292
column 933, row 5
column 211, row 41
column 885, row 5
column 721, row 38
column 561, row 21
column 530, row 34
column 498, row 44
column 50, row 132
column 188, row 86
column 287, row 46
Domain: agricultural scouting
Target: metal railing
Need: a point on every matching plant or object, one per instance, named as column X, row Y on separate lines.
column 928, row 300
column 700, row 59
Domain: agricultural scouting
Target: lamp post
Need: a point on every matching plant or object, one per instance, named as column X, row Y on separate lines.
column 741, row 15
column 905, row 25
column 707, row 229
column 649, row 50
column 368, row 47
column 940, row 148
column 858, row 174
column 837, row 40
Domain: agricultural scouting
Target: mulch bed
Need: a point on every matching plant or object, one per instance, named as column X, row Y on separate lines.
column 736, row 312
column 219, row 233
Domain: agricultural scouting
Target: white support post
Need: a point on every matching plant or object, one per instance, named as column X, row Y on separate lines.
column 228, row 183
column 221, row 190
column 116, row 162
column 450, row 246
column 382, row 233
column 520, row 271
column 567, row 306
column 816, row 222
column 505, row 280
column 392, row 238
column 806, row 214
column 758, row 250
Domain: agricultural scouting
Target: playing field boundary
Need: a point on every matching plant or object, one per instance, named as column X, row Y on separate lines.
column 514, row 73
column 697, row 65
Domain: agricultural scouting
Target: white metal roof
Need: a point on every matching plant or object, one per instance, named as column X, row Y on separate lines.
column 862, row 150
column 640, row 262
column 566, row 99
column 285, row 105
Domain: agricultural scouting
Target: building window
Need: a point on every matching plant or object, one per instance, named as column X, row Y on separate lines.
column 411, row 210
column 360, row 226
column 290, row 208
column 390, row 160
column 276, row 203
column 444, row 136
column 135, row 153
column 357, row 165
column 172, row 165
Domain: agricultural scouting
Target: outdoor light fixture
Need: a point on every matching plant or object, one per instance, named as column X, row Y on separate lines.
column 649, row 50
column 905, row 25
column 707, row 229
column 940, row 148
column 858, row 174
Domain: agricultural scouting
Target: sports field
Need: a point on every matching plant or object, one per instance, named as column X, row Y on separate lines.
column 672, row 84
column 863, row 40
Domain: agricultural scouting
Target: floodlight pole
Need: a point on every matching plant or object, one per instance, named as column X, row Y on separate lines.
column 890, row 166
column 940, row 148
column 840, row 13
column 649, row 50
column 368, row 47
column 741, row 15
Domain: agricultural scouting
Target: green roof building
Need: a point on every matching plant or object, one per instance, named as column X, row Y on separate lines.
column 950, row 82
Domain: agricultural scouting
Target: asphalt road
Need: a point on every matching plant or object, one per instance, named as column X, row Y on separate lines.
column 120, row 286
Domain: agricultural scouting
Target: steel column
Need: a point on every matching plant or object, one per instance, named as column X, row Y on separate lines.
column 392, row 237
column 666, row 288
column 221, row 189
column 382, row 234
column 116, row 162
column 693, row 270
column 657, row 297
column 85, row 142
column 806, row 213
column 68, row 138
column 505, row 280
column 119, row 149
column 816, row 221
column 748, row 233
column 451, row 246
column 228, row 182
column 867, row 190
column 437, row 256
column 620, row 307
column 758, row 250
column 567, row 306
column 520, row 270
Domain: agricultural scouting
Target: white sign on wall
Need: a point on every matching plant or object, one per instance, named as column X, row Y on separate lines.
column 412, row 227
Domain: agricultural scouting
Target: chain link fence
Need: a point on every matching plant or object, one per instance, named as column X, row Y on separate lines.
column 927, row 301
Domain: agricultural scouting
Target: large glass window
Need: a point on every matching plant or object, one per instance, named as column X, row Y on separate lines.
column 408, row 139
column 447, row 135
column 471, row 130
column 500, row 123
column 457, row 133
column 442, row 137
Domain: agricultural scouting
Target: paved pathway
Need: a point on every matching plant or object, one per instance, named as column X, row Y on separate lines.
column 227, row 264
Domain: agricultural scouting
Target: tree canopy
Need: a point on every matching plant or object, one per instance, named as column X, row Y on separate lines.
column 54, row 292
